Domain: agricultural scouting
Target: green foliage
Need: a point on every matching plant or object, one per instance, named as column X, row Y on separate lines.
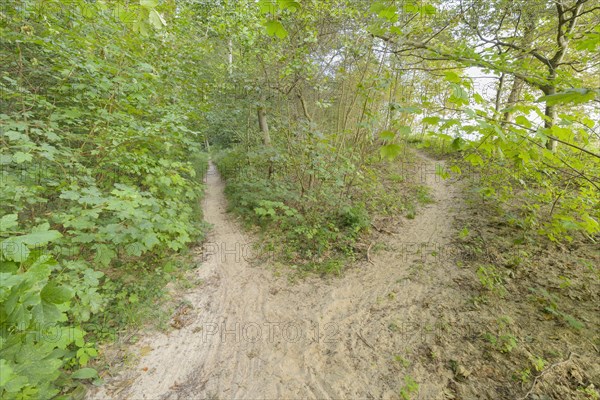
column 401, row 360
column 309, row 210
column 491, row 279
column 39, row 335
column 101, row 166
column 574, row 96
column 523, row 375
column 531, row 183
column 390, row 151
column 503, row 340
column 550, row 305
column 538, row 363
column 410, row 388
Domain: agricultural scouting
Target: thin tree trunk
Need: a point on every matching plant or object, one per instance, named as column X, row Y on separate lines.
column 304, row 109
column 499, row 92
column 550, row 113
column 513, row 98
column 230, row 57
column 339, row 110
column 264, row 128
column 518, row 83
column 263, row 125
column 562, row 39
column 392, row 98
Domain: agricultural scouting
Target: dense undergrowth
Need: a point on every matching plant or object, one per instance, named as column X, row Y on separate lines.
column 100, row 188
column 315, row 206
column 306, row 225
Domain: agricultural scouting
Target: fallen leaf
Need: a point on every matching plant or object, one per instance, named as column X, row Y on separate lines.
column 144, row 351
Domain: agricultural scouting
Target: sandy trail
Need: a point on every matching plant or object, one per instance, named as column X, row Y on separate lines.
column 253, row 335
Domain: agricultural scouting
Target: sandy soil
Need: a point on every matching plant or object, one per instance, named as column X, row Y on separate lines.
column 250, row 334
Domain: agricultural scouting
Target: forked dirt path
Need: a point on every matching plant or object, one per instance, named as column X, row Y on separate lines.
column 253, row 335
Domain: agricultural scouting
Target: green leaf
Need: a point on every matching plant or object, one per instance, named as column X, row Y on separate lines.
column 395, row 30
column 20, row 157
column 39, row 238
column 404, row 130
column 85, row 373
column 150, row 239
column 17, row 248
column 431, row 120
column 275, row 28
column 590, row 41
column 7, row 373
column 575, row 96
column 9, row 380
column 78, row 335
column 13, row 249
column 410, row 110
column 390, row 151
column 47, row 313
column 522, row 120
column 8, row 267
column 459, row 95
column 376, row 7
column 124, row 14
column 428, row 9
column 387, row 135
column 104, row 254
column 56, row 294
column 562, row 133
column 134, row 249
column 572, row 321
column 588, row 122
column 389, row 13
column 156, row 19
column 474, row 159
column 8, row 221
column 441, row 171
column 479, row 99
column 267, row 7
column 149, row 3
column 524, row 155
column 291, row 5
column 457, row 143
column 141, row 26
column 452, row 77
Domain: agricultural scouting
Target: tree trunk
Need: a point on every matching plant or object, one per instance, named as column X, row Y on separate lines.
column 562, row 39
column 518, row 83
column 550, row 118
column 499, row 92
column 304, row 109
column 264, row 128
column 230, row 57
column 513, row 97
column 262, row 124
